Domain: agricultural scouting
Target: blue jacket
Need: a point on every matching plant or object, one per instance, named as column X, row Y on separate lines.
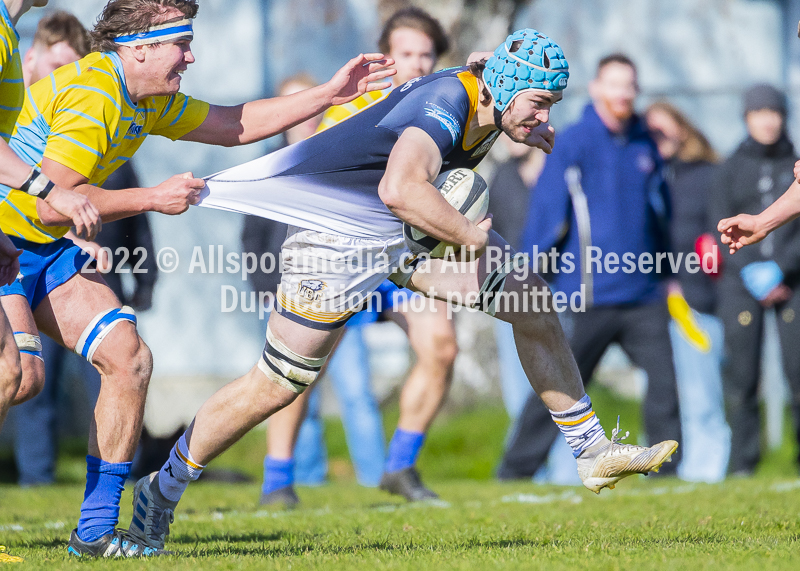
column 618, row 202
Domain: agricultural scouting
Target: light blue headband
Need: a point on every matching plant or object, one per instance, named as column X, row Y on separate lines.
column 156, row 34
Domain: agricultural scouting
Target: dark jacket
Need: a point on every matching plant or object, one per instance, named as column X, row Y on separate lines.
column 621, row 205
column 690, row 187
column 749, row 181
column 508, row 202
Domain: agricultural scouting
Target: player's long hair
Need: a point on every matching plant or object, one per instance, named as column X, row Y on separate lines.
column 695, row 146
column 123, row 17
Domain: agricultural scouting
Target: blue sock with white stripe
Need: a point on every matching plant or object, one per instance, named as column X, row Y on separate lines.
column 277, row 474
column 100, row 509
column 579, row 425
column 404, row 449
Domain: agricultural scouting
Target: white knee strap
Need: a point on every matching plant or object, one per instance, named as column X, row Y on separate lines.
column 286, row 368
column 99, row 327
column 29, row 344
column 495, row 283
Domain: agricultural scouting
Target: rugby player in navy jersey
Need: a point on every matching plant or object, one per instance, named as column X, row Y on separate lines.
column 345, row 194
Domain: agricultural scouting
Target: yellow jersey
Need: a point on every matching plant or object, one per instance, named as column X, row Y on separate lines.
column 12, row 89
column 339, row 113
column 81, row 116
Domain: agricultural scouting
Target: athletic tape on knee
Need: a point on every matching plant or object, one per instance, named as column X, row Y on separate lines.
column 286, row 368
column 28, row 344
column 99, row 327
column 495, row 283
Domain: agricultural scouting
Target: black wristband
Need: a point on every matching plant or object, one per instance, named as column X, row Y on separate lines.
column 47, row 188
column 38, row 184
column 31, row 177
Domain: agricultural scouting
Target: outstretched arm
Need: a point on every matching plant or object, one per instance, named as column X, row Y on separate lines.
column 258, row 120
column 746, row 229
column 173, row 196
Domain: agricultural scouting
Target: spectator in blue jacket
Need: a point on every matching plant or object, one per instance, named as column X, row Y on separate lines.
column 602, row 204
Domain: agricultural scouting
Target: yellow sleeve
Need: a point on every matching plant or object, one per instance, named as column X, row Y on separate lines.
column 5, row 53
column 83, row 125
column 181, row 115
column 6, row 46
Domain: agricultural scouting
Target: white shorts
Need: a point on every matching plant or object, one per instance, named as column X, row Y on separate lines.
column 328, row 277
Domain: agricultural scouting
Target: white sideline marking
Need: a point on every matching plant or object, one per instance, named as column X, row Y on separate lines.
column 570, row 496
column 786, row 486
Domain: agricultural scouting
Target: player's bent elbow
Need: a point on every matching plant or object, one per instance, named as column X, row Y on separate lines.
column 390, row 195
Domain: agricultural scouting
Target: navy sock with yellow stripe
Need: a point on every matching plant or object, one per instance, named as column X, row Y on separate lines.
column 579, row 425
column 178, row 471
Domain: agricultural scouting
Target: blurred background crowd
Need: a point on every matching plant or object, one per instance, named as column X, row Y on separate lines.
column 676, row 115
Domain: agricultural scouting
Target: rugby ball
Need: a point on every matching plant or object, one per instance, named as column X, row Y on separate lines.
column 467, row 192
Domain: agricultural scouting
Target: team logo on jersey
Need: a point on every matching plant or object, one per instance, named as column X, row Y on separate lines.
column 311, row 290
column 137, row 126
column 447, row 121
column 486, row 145
column 407, row 85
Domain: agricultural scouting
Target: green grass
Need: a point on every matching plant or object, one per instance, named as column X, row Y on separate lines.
column 479, row 524
column 640, row 525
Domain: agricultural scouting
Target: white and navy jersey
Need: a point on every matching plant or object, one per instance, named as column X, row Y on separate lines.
column 329, row 182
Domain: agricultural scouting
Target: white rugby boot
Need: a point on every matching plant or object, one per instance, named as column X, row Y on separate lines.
column 606, row 463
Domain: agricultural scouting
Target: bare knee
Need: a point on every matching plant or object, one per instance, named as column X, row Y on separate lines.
column 10, row 373
column 123, row 357
column 436, row 347
column 32, row 379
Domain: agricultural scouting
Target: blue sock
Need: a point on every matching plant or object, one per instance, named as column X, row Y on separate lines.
column 100, row 509
column 403, row 450
column 277, row 474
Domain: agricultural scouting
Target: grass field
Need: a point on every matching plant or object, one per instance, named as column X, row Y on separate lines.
column 478, row 524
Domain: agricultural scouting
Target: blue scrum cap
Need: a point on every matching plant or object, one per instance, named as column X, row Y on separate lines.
column 526, row 60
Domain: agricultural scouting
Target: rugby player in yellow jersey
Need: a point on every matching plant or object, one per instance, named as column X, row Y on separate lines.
column 79, row 125
column 15, row 172
column 415, row 41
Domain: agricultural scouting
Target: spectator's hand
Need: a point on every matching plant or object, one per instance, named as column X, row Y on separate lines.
column 176, row 194
column 85, row 216
column 740, row 231
column 777, row 296
column 674, row 287
column 9, row 261
column 360, row 75
column 542, row 137
column 797, row 171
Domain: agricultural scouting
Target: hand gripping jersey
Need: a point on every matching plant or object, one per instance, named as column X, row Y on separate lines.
column 329, row 182
column 81, row 116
